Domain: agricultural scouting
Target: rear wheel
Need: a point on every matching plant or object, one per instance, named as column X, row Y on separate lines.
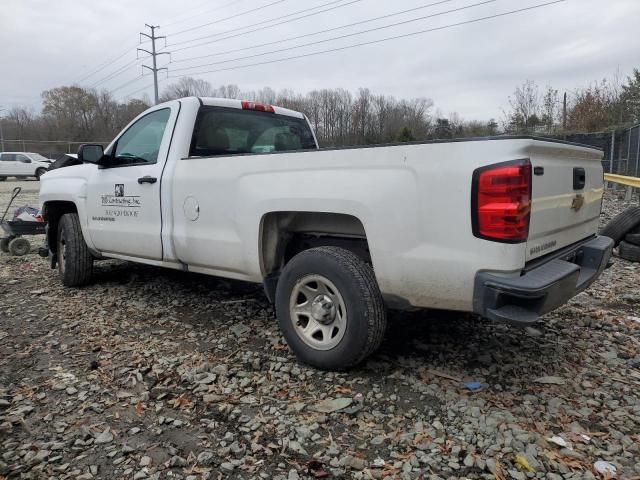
column 75, row 262
column 19, row 246
column 2, row 179
column 330, row 308
column 40, row 172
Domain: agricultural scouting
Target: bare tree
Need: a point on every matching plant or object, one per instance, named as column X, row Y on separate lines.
column 550, row 108
column 524, row 113
column 187, row 87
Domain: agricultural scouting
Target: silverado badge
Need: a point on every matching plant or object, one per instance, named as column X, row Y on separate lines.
column 577, row 202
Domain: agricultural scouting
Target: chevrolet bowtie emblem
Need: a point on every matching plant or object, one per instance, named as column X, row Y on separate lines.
column 577, row 203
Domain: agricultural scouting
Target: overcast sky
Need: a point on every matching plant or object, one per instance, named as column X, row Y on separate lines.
column 470, row 69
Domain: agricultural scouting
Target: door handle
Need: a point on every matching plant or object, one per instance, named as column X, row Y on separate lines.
column 147, row 179
column 579, row 178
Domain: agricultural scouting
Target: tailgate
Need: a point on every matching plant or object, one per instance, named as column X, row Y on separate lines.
column 566, row 196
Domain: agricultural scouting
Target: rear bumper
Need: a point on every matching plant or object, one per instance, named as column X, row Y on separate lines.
column 544, row 287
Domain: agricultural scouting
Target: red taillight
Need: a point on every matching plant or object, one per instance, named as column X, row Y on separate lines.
column 259, row 107
column 501, row 201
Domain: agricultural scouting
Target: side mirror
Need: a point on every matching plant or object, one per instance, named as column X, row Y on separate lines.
column 90, row 153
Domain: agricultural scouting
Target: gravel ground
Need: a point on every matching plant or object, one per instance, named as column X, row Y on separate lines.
column 151, row 373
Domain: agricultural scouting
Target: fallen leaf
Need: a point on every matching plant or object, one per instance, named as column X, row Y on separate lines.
column 343, row 390
column 182, row 402
column 498, row 473
column 524, row 463
column 139, row 408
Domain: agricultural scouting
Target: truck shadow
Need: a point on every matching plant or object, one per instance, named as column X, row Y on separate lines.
column 471, row 348
column 462, row 345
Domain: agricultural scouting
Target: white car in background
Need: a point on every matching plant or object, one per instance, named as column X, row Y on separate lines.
column 23, row 164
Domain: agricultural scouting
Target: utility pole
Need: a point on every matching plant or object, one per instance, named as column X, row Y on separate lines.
column 564, row 114
column 153, row 54
column 1, row 133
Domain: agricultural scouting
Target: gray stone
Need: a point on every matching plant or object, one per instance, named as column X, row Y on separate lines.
column 104, row 437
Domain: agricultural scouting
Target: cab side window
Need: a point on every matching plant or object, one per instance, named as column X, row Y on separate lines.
column 23, row 158
column 8, row 157
column 140, row 144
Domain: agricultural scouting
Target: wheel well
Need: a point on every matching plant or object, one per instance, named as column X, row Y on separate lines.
column 52, row 212
column 285, row 234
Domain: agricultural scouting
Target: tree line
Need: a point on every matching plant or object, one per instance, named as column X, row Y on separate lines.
column 341, row 117
column 604, row 105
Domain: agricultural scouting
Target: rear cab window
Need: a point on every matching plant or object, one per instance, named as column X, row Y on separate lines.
column 229, row 131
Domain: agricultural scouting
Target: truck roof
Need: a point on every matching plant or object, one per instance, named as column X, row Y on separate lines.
column 231, row 103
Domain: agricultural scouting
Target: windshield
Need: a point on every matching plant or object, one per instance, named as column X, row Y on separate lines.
column 228, row 131
column 38, row 158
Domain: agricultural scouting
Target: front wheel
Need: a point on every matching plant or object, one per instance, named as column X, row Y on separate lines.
column 40, row 172
column 19, row 246
column 330, row 308
column 75, row 262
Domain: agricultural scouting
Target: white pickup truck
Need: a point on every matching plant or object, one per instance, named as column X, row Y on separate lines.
column 502, row 227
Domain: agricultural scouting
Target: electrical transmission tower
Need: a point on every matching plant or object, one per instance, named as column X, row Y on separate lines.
column 153, row 54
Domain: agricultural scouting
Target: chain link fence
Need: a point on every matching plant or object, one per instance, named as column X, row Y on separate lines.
column 621, row 149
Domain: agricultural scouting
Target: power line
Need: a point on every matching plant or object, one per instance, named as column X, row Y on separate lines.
column 258, row 29
column 139, row 90
column 106, row 64
column 348, row 35
column 262, row 22
column 117, row 72
column 313, row 33
column 180, row 32
column 127, row 83
column 373, row 42
column 208, row 2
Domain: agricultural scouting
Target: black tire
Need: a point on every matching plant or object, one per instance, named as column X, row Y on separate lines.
column 366, row 316
column 4, row 244
column 75, row 262
column 622, row 224
column 2, row 179
column 19, row 246
column 633, row 238
column 40, row 172
column 629, row 251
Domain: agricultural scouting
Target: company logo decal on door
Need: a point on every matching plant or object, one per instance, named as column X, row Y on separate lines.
column 119, row 204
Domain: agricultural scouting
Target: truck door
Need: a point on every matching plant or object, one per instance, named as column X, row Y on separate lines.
column 123, row 194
